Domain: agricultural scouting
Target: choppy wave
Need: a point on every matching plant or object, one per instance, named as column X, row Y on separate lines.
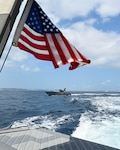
column 46, row 121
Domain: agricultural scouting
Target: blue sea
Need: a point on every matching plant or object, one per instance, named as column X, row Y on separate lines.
column 93, row 116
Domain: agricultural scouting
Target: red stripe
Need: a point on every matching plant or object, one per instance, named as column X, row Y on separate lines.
column 35, row 37
column 69, row 47
column 42, row 47
column 72, row 52
column 39, row 56
column 83, row 58
column 50, row 52
column 61, row 53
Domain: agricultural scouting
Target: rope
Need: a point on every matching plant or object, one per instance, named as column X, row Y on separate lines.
column 5, row 59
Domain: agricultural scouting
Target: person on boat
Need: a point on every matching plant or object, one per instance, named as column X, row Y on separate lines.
column 62, row 90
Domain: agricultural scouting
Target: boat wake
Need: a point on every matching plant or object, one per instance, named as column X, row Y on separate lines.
column 46, row 121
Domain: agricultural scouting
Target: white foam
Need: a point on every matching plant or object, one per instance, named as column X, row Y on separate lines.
column 25, row 122
column 75, row 94
column 106, row 131
column 107, row 103
column 103, row 125
column 46, row 121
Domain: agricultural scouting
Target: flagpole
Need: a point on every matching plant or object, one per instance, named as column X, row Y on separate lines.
column 5, row 59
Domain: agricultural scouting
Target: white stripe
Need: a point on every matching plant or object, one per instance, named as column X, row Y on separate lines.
column 66, row 51
column 64, row 48
column 32, row 31
column 44, row 52
column 54, row 50
column 32, row 40
column 76, row 53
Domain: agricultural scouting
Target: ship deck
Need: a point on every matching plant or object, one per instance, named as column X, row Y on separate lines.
column 25, row 138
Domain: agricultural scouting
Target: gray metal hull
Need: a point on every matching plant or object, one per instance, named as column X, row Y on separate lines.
column 50, row 93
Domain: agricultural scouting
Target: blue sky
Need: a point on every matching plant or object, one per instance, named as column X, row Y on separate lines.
column 93, row 27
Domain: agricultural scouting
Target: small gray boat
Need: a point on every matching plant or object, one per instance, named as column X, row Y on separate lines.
column 59, row 92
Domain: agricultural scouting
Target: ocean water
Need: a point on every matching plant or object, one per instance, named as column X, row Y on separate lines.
column 93, row 116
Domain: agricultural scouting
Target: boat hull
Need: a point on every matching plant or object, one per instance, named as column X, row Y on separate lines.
column 50, row 93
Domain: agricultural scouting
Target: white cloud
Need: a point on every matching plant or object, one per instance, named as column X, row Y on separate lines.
column 30, row 69
column 17, row 55
column 14, row 56
column 69, row 9
column 107, row 8
column 106, row 82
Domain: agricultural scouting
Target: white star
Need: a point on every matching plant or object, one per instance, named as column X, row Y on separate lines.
column 46, row 20
column 44, row 23
column 51, row 30
column 45, row 30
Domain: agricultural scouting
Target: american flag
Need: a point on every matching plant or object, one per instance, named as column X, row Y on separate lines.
column 40, row 37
